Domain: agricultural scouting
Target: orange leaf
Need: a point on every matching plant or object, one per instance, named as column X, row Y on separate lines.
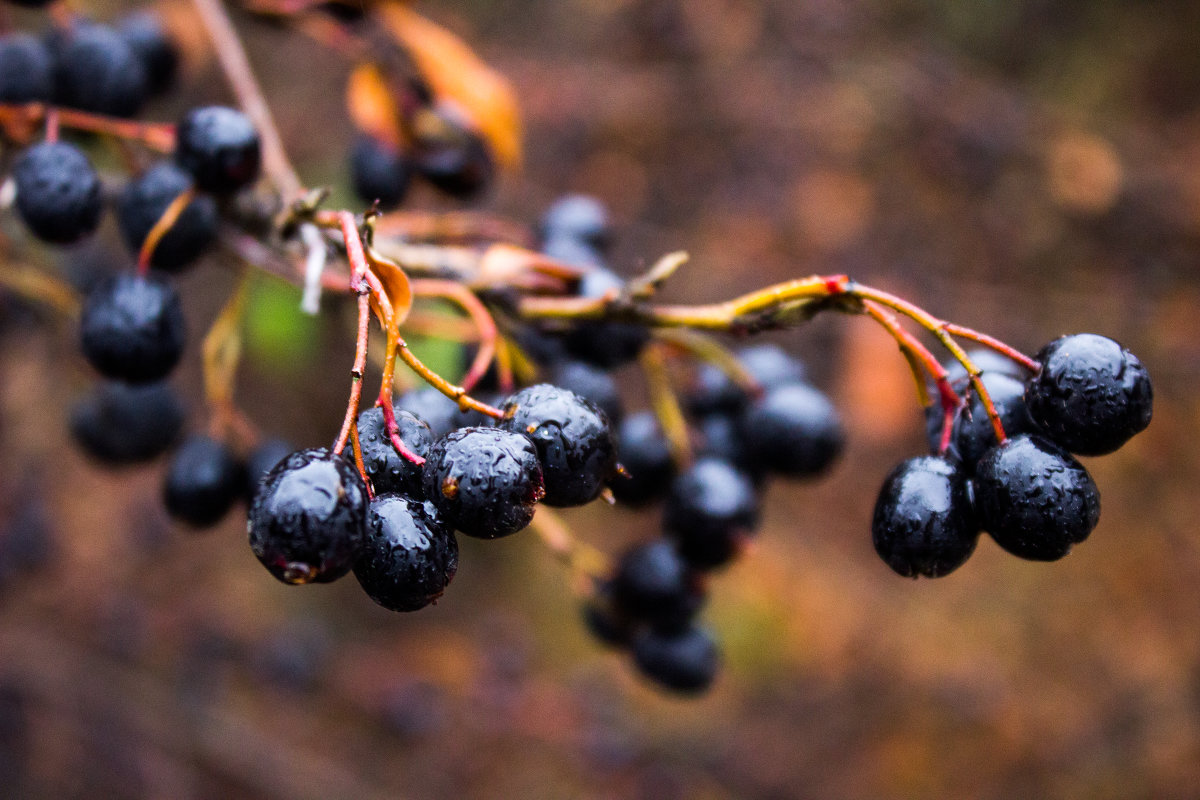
column 453, row 71
column 372, row 106
column 396, row 286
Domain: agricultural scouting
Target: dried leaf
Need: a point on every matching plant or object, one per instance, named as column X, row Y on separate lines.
column 454, row 72
column 372, row 106
column 395, row 285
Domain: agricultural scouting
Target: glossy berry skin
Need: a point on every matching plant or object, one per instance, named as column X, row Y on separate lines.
column 132, row 328
column 713, row 391
column 143, row 202
column 96, row 70
column 924, row 522
column 1091, row 395
column 379, row 172
column 591, row 383
column 58, row 192
column 309, row 519
column 219, row 147
column 121, row 424
column 972, row 432
column 793, row 430
column 388, row 471
column 485, row 482
column 654, row 584
column 146, row 35
column 645, row 458
column 262, row 460
column 684, row 661
column 1034, row 499
column 573, row 439
column 408, row 557
column 605, row 344
column 711, row 508
column 203, row 480
column 26, row 70
column 578, row 217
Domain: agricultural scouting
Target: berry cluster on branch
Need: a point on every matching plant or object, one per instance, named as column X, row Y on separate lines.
column 535, row 421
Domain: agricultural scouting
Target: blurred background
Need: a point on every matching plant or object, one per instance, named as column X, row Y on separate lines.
column 1028, row 168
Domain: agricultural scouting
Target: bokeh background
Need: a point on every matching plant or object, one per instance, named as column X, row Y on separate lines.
column 1028, row 167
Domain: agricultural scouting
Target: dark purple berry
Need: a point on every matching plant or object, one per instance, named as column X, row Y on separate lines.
column 97, row 71
column 972, row 432
column 1034, row 499
column 26, row 70
column 793, row 430
column 605, row 620
column 721, row 437
column 142, row 204
column 645, row 458
column 713, row 391
column 574, row 252
column 711, row 509
column 1091, row 395
column 409, row 556
column 121, row 424
column 309, row 519
column 219, row 147
column 654, row 584
column 388, row 471
column 379, row 172
column 132, row 328
column 462, row 168
column 924, row 522
column 590, row 383
column 573, row 439
column 580, row 217
column 146, row 35
column 262, row 459
column 605, row 344
column 988, row 361
column 684, row 661
column 58, row 192
column 202, row 482
column 485, row 482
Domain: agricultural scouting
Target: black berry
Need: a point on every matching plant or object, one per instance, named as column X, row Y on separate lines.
column 684, row 661
column 132, row 328
column 711, row 508
column 58, row 192
column 605, row 344
column 721, row 437
column 712, row 390
column 97, row 71
column 409, row 556
column 605, row 620
column 988, row 361
column 654, row 584
column 924, row 522
column 485, row 482
column 461, row 168
column 972, row 434
column 575, row 252
column 573, row 439
column 202, row 482
column 146, row 35
column 262, row 459
column 580, row 217
column 1034, row 499
column 219, row 147
column 380, row 172
column 388, row 471
column 121, row 424
column 309, row 518
column 793, row 430
column 645, row 458
column 26, row 70
column 1091, row 395
column 143, row 202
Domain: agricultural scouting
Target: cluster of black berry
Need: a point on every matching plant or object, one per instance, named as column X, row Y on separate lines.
column 1088, row 397
column 313, row 518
